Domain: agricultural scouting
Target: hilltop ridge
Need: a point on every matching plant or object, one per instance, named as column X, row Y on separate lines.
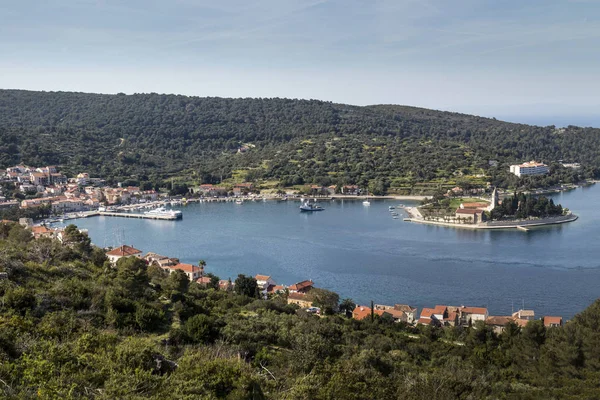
column 290, row 142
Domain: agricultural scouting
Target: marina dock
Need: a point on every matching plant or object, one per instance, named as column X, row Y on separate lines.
column 135, row 215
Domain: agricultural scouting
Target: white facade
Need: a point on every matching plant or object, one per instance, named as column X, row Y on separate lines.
column 529, row 168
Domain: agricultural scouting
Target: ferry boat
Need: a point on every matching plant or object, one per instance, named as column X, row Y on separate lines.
column 161, row 211
column 308, row 206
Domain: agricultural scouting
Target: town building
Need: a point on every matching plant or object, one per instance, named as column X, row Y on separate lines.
column 264, row 282
column 529, row 168
column 470, row 315
column 301, row 287
column 552, row 322
column 203, row 281
column 471, row 215
column 362, row 312
column 572, row 165
column 350, row 190
column 498, row 323
column 299, row 299
column 527, row 315
column 193, row 272
column 121, row 252
column 399, row 312
column 41, row 231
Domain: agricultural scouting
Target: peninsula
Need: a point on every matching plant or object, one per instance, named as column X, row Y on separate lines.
column 518, row 211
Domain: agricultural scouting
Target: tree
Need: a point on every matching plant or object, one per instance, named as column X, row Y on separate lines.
column 78, row 240
column 347, row 306
column 324, row 299
column 246, row 285
column 132, row 275
column 178, row 281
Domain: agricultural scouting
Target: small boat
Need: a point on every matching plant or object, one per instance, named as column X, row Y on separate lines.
column 391, row 208
column 308, row 206
column 238, row 201
column 367, row 203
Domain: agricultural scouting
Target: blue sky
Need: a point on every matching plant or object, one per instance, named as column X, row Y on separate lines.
column 532, row 60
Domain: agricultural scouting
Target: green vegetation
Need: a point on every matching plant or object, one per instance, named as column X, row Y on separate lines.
column 150, row 138
column 523, row 206
column 72, row 326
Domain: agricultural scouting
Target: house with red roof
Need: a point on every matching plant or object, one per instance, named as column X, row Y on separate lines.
column 362, row 312
column 42, row 231
column 193, row 272
column 399, row 312
column 429, row 317
column 301, row 287
column 470, row 315
column 498, row 323
column 552, row 322
column 123, row 251
column 471, row 215
column 203, row 281
column 264, row 282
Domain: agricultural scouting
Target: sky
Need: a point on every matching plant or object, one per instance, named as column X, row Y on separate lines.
column 533, row 61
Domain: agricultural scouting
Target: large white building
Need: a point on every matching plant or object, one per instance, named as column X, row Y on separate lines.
column 529, row 168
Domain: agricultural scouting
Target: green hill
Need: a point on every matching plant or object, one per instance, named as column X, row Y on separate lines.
column 73, row 327
column 152, row 136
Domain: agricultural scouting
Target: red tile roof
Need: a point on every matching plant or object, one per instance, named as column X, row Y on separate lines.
column 276, row 288
column 440, row 309
column 404, row 307
column 186, row 267
column 475, row 205
column 549, row 321
column 520, row 322
column 302, row 285
column 262, row 277
column 469, row 211
column 361, row 312
column 41, row 229
column 204, row 280
column 124, row 251
column 474, row 310
column 452, row 316
column 428, row 313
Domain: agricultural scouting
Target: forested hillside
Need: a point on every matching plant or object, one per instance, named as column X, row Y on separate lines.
column 152, row 136
column 72, row 326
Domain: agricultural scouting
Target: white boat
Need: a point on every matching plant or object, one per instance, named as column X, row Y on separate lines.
column 163, row 212
column 238, row 201
column 308, row 206
column 367, row 203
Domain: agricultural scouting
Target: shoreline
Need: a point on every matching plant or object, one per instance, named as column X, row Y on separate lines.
column 386, row 197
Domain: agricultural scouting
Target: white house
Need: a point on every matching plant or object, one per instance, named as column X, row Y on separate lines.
column 264, row 282
column 123, row 251
column 529, row 168
column 472, row 314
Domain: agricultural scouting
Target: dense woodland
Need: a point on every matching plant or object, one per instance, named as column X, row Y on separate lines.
column 523, row 206
column 151, row 137
column 72, row 327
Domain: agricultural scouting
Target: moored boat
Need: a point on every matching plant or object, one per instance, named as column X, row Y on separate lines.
column 308, row 206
